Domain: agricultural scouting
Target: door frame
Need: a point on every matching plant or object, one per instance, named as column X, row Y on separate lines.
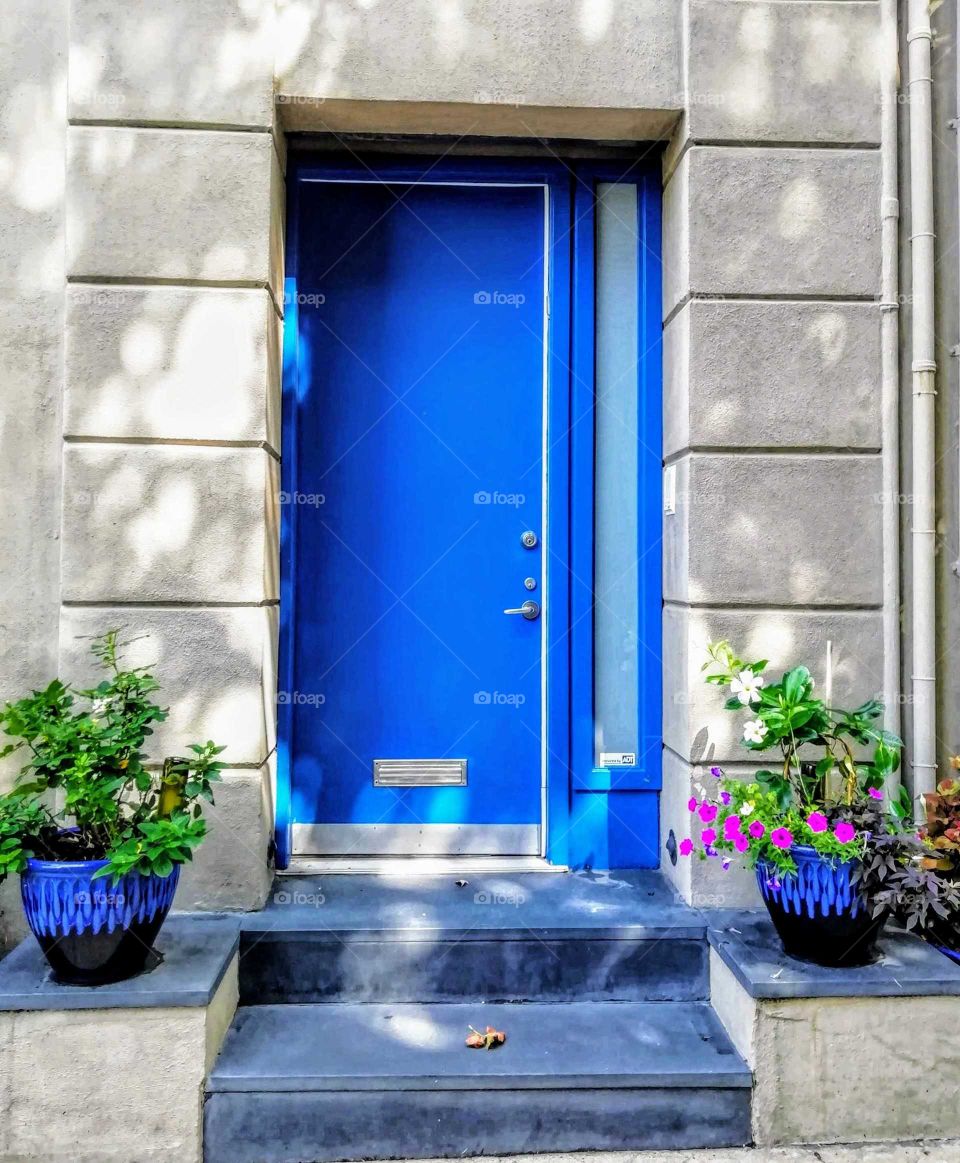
column 555, row 683
column 567, row 768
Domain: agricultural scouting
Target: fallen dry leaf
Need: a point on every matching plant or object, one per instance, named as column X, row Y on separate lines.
column 488, row 1041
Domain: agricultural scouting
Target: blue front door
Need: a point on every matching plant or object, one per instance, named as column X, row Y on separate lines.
column 416, row 700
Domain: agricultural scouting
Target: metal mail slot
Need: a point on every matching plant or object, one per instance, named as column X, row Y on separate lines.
column 420, row 772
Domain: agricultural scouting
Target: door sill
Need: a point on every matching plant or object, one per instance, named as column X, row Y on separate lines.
column 413, row 866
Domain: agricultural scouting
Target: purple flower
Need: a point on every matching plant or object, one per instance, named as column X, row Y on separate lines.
column 716, row 772
column 773, row 884
column 781, row 838
column 724, row 864
column 686, row 847
column 708, row 835
column 845, row 832
column 724, row 798
column 708, row 813
column 817, row 822
column 710, row 851
column 740, row 842
column 875, row 793
column 756, row 829
column 692, row 803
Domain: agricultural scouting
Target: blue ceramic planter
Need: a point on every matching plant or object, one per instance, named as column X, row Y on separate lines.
column 94, row 932
column 819, row 914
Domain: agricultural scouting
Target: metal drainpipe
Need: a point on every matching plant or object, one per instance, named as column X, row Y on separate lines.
column 924, row 368
column 890, row 365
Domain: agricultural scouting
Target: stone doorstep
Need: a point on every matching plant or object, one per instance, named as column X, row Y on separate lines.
column 112, row 1073
column 921, row 1151
column 839, row 1055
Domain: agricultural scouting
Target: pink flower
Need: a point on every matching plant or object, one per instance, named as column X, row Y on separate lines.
column 708, row 835
column 731, row 827
column 875, row 793
column 817, row 822
column 756, row 829
column 844, row 832
column 708, row 813
column 740, row 842
column 686, row 847
column 781, row 838
column 692, row 803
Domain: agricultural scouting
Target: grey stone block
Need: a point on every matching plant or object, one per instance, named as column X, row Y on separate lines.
column 60, row 1103
column 756, row 374
column 209, row 63
column 158, row 203
column 216, row 667
column 775, row 530
column 33, row 130
column 187, row 363
column 31, row 369
column 695, row 724
column 772, row 222
column 767, row 71
column 543, row 53
column 169, row 523
column 807, row 1055
column 702, row 883
column 231, row 869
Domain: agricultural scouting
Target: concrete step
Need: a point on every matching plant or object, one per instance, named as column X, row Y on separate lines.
column 312, row 1083
column 525, row 937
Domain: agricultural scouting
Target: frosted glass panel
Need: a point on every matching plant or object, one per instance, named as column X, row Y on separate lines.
column 615, row 562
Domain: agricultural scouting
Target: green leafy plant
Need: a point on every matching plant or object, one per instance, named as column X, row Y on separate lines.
column 821, row 792
column 85, row 791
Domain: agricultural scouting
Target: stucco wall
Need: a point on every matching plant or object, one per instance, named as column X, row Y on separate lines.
column 172, row 236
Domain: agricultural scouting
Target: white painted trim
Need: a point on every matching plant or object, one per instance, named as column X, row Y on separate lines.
column 407, row 867
column 416, row 840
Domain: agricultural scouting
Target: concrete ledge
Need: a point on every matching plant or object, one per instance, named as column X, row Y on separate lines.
column 116, row 1073
column 748, row 945
column 839, row 1056
column 197, row 953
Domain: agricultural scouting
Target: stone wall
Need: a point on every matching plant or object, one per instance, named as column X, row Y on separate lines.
column 772, row 390
column 33, row 97
column 171, row 396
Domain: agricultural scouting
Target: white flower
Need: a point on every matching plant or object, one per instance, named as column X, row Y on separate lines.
column 754, row 730
column 747, row 808
column 746, row 686
column 100, row 707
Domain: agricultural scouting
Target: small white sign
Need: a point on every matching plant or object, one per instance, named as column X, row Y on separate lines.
column 670, row 489
column 618, row 759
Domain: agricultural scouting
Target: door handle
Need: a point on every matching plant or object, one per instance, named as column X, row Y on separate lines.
column 529, row 610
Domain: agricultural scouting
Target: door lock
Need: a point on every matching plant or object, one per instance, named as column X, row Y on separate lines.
column 529, row 610
column 528, row 539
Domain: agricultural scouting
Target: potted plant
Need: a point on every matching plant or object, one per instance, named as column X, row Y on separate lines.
column 833, row 857
column 941, row 831
column 97, row 838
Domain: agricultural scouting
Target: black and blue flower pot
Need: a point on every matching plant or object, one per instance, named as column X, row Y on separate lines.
column 94, row 932
column 819, row 913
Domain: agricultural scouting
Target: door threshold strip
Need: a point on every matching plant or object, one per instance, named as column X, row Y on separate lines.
column 413, row 866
